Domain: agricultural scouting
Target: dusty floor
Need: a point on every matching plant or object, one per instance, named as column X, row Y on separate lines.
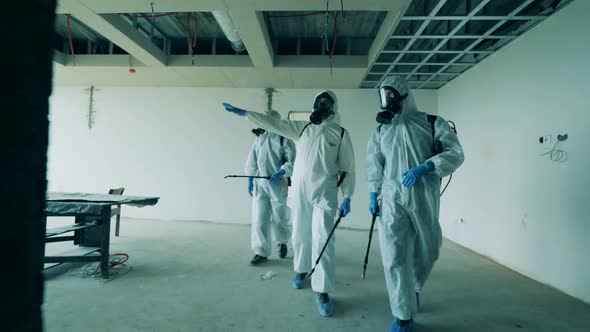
column 193, row 276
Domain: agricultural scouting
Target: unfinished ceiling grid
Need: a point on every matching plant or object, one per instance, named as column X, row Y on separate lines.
column 286, row 44
column 435, row 41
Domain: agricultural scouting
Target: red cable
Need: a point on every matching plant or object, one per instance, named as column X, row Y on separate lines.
column 192, row 46
column 121, row 262
column 196, row 30
column 334, row 35
column 70, row 37
column 187, row 34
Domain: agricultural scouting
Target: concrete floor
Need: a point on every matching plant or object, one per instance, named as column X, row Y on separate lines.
column 193, row 276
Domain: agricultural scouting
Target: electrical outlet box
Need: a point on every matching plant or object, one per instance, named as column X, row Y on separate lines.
column 545, row 140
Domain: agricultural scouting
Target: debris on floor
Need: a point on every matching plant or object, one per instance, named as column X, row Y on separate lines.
column 117, row 268
column 268, row 275
column 92, row 270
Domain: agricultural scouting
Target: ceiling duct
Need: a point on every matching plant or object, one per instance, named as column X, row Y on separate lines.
column 229, row 29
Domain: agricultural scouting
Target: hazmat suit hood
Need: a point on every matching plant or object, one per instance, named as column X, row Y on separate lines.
column 401, row 85
column 331, row 118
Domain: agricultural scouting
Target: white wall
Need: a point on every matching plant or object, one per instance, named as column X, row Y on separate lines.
column 521, row 209
column 178, row 143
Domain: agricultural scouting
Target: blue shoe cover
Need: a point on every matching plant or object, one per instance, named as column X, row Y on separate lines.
column 395, row 327
column 325, row 309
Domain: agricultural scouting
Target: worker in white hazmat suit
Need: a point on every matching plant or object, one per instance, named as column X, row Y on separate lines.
column 271, row 155
column 408, row 154
column 324, row 152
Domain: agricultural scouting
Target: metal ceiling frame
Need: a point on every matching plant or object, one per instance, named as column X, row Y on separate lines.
column 474, row 18
column 451, row 37
column 484, row 36
column 433, row 81
column 436, row 51
column 431, row 53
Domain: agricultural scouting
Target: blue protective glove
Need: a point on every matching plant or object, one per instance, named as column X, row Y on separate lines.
column 250, row 185
column 345, row 207
column 414, row 174
column 373, row 204
column 278, row 176
column 235, row 110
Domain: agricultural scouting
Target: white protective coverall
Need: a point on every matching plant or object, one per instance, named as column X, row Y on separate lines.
column 269, row 154
column 322, row 154
column 409, row 231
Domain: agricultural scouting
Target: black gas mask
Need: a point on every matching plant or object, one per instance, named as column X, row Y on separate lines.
column 391, row 104
column 323, row 107
column 258, row 131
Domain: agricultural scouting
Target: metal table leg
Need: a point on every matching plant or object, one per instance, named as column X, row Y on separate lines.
column 105, row 241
